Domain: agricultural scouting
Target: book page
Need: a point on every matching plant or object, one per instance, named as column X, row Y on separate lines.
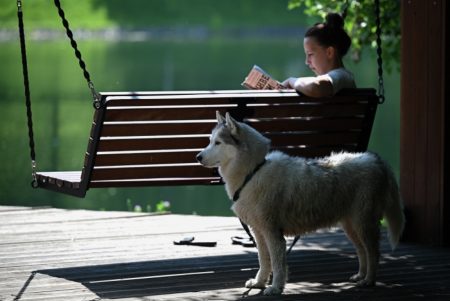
column 258, row 79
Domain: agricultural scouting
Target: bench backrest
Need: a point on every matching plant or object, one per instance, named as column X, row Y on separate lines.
column 142, row 139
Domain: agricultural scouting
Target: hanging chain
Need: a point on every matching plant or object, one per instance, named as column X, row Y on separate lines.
column 381, row 97
column 95, row 96
column 26, row 84
column 345, row 9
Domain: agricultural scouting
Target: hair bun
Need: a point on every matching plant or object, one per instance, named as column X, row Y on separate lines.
column 331, row 33
column 334, row 20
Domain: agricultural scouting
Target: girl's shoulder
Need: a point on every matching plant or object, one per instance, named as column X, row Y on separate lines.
column 341, row 78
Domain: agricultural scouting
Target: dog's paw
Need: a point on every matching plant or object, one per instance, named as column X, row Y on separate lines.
column 365, row 283
column 357, row 277
column 272, row 290
column 252, row 283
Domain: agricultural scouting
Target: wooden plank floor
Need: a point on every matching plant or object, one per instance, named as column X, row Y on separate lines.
column 54, row 254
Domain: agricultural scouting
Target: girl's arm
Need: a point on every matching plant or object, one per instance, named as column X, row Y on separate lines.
column 318, row 86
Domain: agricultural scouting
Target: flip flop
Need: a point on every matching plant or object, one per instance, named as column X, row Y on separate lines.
column 189, row 241
column 244, row 241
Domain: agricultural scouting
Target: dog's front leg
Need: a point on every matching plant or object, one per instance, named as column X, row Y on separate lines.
column 277, row 249
column 265, row 269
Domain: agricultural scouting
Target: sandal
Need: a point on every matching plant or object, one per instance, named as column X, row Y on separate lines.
column 190, row 241
column 246, row 242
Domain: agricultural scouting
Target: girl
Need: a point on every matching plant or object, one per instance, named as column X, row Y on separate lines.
column 325, row 45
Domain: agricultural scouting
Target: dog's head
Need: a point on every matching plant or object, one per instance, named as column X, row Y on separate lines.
column 233, row 140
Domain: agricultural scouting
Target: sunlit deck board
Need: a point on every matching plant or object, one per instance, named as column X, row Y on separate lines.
column 55, row 254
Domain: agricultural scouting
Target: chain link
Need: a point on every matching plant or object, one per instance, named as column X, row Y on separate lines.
column 97, row 103
column 34, row 182
column 381, row 97
column 345, row 9
column 26, row 85
column 73, row 43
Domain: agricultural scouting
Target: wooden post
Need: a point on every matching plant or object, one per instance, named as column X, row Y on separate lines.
column 423, row 163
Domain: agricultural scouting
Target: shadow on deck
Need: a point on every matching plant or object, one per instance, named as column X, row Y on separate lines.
column 315, row 275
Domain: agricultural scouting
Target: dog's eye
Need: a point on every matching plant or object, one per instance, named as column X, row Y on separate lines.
column 217, row 143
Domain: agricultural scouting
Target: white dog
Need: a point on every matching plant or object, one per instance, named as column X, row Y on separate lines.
column 277, row 195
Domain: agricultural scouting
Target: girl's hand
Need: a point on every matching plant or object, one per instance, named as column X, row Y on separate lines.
column 289, row 83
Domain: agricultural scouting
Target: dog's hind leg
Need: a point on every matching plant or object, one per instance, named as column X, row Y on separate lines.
column 265, row 268
column 370, row 237
column 277, row 248
column 360, row 251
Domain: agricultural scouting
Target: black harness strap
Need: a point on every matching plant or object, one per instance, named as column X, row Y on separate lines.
column 247, row 179
column 249, row 233
column 238, row 192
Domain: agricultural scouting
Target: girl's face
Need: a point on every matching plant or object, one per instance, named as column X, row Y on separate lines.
column 319, row 59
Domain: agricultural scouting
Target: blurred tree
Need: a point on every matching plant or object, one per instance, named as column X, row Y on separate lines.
column 360, row 23
column 213, row 14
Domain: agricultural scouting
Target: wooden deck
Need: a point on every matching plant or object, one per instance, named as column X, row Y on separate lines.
column 54, row 254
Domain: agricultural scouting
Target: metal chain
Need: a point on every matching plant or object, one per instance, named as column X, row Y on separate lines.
column 345, row 9
column 26, row 84
column 73, row 43
column 381, row 97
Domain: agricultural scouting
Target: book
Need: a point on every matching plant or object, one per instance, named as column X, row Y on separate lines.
column 259, row 79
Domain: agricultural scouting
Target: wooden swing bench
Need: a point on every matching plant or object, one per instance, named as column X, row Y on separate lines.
column 151, row 138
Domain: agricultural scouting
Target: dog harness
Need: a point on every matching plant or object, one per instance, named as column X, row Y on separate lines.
column 247, row 179
column 238, row 192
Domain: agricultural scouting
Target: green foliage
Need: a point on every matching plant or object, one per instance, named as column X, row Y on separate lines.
column 163, row 206
column 97, row 14
column 360, row 23
column 160, row 207
column 43, row 14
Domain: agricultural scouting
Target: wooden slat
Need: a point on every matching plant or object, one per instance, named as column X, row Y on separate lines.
column 254, row 110
column 165, row 113
column 68, row 182
column 139, row 144
column 69, row 176
column 359, row 92
column 151, row 129
column 149, row 172
column 130, row 158
column 316, row 151
column 318, row 124
column 176, row 181
column 193, row 97
column 314, row 139
column 309, row 110
column 262, row 125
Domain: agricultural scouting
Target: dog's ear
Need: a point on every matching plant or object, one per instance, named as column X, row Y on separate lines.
column 220, row 118
column 231, row 123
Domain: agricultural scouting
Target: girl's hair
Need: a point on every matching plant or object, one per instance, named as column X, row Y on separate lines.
column 331, row 33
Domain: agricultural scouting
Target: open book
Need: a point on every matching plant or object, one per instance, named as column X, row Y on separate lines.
column 259, row 79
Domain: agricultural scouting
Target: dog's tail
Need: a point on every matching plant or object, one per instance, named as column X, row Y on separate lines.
column 393, row 211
